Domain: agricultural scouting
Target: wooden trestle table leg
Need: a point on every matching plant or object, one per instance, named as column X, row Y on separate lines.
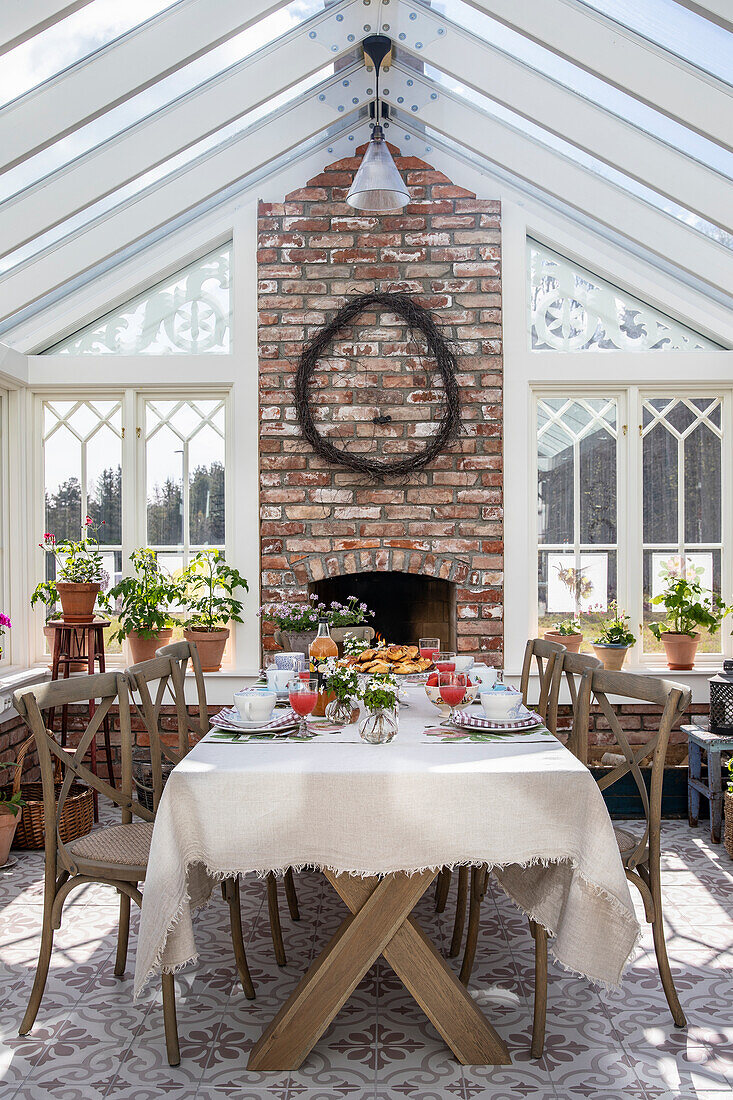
column 379, row 924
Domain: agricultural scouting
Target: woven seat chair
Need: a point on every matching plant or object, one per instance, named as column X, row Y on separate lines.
column 181, row 653
column 641, row 856
column 544, row 654
column 116, row 855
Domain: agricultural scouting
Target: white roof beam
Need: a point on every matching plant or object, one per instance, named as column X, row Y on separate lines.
column 183, row 190
column 117, row 71
column 559, row 177
column 717, row 11
column 623, row 59
column 192, row 117
column 21, row 19
column 539, row 99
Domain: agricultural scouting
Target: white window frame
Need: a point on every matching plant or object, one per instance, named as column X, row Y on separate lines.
column 7, row 641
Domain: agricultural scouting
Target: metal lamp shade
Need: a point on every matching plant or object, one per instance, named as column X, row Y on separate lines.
column 377, row 185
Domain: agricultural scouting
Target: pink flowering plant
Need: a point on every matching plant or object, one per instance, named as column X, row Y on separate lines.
column 5, row 624
column 78, row 562
column 301, row 617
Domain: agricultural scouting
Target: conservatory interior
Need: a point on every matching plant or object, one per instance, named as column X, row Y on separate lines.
column 366, row 549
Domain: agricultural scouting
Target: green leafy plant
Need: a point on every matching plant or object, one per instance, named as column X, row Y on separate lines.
column 342, row 680
column 688, row 608
column 614, row 630
column 209, row 585
column 78, row 562
column 143, row 601
column 47, row 593
column 14, row 803
column 567, row 626
column 380, row 693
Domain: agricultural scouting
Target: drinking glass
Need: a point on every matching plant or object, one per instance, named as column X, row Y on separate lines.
column 303, row 695
column 444, row 662
column 429, row 648
column 452, row 687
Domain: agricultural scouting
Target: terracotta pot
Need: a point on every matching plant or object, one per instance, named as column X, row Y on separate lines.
column 210, row 644
column 611, row 657
column 77, row 600
column 143, row 649
column 680, row 650
column 8, row 825
column 572, row 642
column 75, row 666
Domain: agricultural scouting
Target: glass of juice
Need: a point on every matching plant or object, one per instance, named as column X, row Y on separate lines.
column 429, row 648
column 303, row 696
column 445, row 662
column 452, row 687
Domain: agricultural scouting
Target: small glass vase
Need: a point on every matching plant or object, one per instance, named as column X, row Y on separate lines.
column 339, row 711
column 377, row 727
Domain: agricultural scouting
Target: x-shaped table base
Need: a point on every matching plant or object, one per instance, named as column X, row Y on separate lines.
column 379, row 924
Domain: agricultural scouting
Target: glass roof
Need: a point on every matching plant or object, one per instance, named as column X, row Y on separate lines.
column 694, row 39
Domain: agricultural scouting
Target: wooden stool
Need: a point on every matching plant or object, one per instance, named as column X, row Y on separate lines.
column 699, row 740
column 75, row 644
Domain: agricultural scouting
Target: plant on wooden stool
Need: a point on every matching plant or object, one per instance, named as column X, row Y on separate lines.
column 688, row 606
column 80, row 574
column 144, row 603
column 209, row 585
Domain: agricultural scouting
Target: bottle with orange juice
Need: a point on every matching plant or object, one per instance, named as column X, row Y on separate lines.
column 321, row 648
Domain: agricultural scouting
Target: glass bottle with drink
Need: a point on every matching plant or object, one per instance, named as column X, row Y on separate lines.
column 321, row 648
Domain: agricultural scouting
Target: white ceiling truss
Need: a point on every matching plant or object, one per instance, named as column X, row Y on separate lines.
column 309, row 86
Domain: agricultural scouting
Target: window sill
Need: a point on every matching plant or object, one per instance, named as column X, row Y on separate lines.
column 13, row 678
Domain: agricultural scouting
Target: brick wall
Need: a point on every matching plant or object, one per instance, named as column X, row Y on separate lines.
column 319, row 520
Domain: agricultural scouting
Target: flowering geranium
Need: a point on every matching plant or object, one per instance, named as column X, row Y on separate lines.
column 5, row 624
column 78, row 562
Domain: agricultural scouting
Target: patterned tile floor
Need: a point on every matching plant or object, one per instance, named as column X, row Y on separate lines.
column 92, row 1040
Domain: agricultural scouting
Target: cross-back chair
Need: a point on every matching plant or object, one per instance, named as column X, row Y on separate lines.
column 570, row 667
column 115, row 855
column 181, row 653
column 544, row 654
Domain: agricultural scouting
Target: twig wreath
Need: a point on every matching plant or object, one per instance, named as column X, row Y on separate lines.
column 418, row 319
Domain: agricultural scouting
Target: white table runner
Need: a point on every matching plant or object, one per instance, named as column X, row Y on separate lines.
column 522, row 804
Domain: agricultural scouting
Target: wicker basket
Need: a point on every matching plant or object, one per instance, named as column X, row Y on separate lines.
column 142, row 774
column 728, row 834
column 77, row 816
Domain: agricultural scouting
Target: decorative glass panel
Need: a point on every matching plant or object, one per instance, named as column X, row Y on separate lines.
column 184, row 459
column 573, row 310
column 187, row 314
column 577, row 441
column 682, row 500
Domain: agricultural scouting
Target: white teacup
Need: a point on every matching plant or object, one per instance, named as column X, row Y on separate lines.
column 463, row 664
column 255, row 705
column 277, row 678
column 501, row 706
column 485, row 675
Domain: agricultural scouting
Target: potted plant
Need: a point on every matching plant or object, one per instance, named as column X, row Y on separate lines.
column 380, row 722
column 80, row 573
column 567, row 633
column 10, row 809
column 209, row 585
column 143, row 608
column 46, row 593
column 687, row 607
column 614, row 638
column 350, row 619
column 342, row 682
column 296, row 624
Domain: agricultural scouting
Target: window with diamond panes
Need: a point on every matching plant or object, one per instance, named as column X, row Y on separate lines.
column 682, row 501
column 5, row 641
column 82, row 475
column 571, row 309
column 577, row 532
column 186, row 314
column 185, row 480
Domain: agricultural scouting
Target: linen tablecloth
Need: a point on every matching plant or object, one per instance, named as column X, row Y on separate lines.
column 522, row 804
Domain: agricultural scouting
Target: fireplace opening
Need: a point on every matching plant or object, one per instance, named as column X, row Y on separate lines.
column 406, row 606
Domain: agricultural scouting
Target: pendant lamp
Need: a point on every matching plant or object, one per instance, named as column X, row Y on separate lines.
column 377, row 186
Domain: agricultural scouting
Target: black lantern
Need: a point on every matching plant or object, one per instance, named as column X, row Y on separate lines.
column 721, row 701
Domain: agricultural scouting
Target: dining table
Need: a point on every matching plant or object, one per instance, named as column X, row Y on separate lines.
column 380, row 822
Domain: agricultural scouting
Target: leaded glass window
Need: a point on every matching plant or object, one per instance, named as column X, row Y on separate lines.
column 571, row 309
column 682, row 500
column 186, row 314
column 577, row 527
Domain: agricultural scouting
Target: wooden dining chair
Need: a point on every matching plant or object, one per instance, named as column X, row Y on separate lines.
column 185, row 653
column 641, row 856
column 544, row 655
column 115, row 855
column 570, row 667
